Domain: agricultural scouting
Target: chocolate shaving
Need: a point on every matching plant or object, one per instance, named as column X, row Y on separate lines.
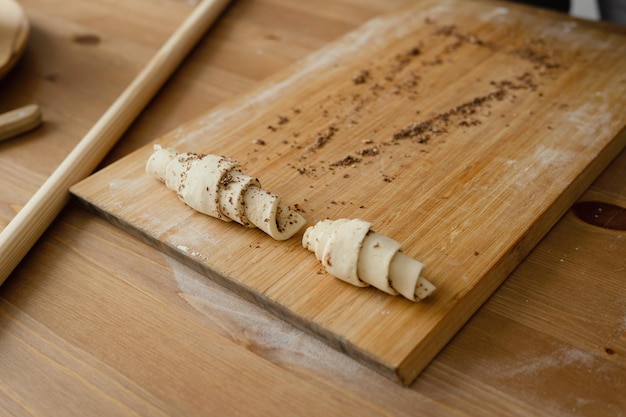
column 347, row 161
column 536, row 54
column 323, row 138
column 464, row 114
column 361, row 78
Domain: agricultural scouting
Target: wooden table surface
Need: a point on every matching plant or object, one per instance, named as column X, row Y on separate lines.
column 94, row 322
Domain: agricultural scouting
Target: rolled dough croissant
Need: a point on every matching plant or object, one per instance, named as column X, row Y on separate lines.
column 352, row 252
column 213, row 185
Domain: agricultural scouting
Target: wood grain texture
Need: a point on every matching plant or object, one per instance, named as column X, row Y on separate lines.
column 18, row 237
column 470, row 128
column 78, row 313
column 70, row 52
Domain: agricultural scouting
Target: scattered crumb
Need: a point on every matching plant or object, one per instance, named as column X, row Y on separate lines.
column 347, row 161
column 368, row 151
column 323, row 137
column 363, row 76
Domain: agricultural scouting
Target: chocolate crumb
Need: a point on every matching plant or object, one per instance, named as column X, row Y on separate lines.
column 347, row 161
column 361, row 78
column 465, row 113
column 451, row 30
column 258, row 142
column 323, row 138
column 469, row 123
column 541, row 59
column 368, row 151
column 387, row 178
column 402, row 61
column 226, row 180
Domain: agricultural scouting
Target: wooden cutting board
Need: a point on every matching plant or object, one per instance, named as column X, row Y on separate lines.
column 461, row 129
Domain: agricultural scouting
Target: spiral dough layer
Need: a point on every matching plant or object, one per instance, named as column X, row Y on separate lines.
column 350, row 251
column 214, row 185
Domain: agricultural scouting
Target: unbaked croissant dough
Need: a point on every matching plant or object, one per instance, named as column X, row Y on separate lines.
column 213, row 185
column 350, row 251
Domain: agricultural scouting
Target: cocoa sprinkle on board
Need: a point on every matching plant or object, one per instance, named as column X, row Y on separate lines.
column 401, row 74
column 368, row 151
column 323, row 138
column 361, row 78
column 347, row 161
column 451, row 30
column 539, row 58
column 463, row 114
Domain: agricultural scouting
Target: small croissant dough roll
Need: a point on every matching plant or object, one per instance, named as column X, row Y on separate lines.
column 352, row 252
column 213, row 185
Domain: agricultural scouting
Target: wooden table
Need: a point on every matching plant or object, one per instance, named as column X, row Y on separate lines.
column 94, row 322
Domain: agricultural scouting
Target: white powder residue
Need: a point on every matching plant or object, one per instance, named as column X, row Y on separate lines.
column 274, row 339
column 551, row 157
column 124, row 189
column 251, row 326
column 193, row 237
column 117, row 184
column 122, row 193
column 203, row 127
column 592, row 120
column 494, row 14
column 560, row 358
column 623, row 325
column 568, row 27
column 536, row 169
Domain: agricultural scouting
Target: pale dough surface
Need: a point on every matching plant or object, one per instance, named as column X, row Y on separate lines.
column 213, row 185
column 349, row 250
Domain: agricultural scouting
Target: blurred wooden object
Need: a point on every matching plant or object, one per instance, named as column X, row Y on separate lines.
column 15, row 122
column 22, row 232
column 14, row 28
column 95, row 322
